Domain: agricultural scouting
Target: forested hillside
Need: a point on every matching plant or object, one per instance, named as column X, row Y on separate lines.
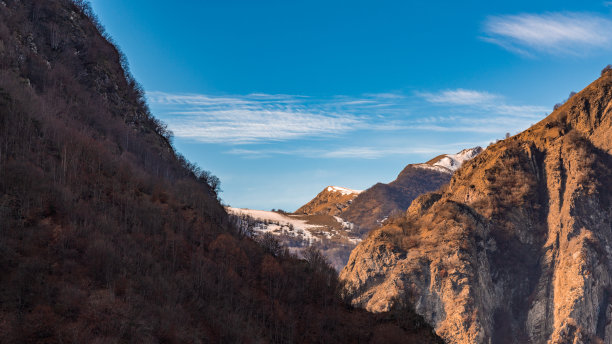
column 107, row 235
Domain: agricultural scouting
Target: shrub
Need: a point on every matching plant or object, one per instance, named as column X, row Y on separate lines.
column 270, row 244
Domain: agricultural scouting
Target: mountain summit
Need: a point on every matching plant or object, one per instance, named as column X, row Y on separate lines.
column 373, row 206
column 517, row 248
column 333, row 200
column 450, row 163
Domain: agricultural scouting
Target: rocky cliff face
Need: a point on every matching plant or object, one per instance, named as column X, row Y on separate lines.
column 518, row 247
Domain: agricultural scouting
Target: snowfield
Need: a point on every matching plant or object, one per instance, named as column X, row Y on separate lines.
column 451, row 162
column 334, row 238
column 271, row 216
column 292, row 226
column 454, row 161
column 434, row 167
column 344, row 191
column 348, row 226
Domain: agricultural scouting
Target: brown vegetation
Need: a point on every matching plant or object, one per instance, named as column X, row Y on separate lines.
column 381, row 201
column 327, row 202
column 109, row 236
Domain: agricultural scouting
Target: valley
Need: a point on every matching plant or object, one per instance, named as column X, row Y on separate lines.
column 113, row 229
column 338, row 218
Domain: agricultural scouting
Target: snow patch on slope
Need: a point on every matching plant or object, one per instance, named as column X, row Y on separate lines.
column 344, row 191
column 278, row 223
column 348, row 226
column 434, row 168
column 452, row 162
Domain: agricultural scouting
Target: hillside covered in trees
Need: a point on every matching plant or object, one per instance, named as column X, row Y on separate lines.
column 107, row 235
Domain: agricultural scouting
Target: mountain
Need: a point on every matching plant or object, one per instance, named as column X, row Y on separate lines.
column 450, row 163
column 331, row 235
column 517, row 248
column 374, row 205
column 333, row 200
column 108, row 235
column 337, row 218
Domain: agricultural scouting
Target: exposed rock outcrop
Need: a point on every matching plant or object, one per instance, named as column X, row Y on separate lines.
column 518, row 247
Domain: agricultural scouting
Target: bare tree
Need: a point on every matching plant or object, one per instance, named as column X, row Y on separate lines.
column 54, row 38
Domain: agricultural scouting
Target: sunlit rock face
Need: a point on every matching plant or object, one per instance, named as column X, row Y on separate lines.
column 518, row 247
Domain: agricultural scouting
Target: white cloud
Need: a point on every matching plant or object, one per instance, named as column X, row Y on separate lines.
column 253, row 125
column 358, row 152
column 459, row 97
column 265, row 118
column 482, row 101
column 376, row 152
column 553, row 33
column 248, row 119
column 257, row 117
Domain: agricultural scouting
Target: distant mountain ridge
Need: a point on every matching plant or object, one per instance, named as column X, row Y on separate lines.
column 333, row 200
column 450, row 163
column 337, row 218
column 368, row 209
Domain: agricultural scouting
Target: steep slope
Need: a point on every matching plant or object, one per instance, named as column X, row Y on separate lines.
column 329, row 215
column 107, row 235
column 333, row 200
column 451, row 162
column 517, row 248
column 371, row 207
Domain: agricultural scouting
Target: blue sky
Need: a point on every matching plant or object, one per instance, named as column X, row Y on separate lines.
column 282, row 98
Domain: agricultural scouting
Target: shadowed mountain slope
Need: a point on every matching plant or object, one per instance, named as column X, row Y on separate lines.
column 371, row 207
column 107, row 235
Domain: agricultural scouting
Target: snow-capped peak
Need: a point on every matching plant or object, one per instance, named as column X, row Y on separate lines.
column 344, row 191
column 454, row 161
column 451, row 162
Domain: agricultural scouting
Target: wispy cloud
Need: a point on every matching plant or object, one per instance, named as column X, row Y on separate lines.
column 377, row 152
column 360, row 152
column 552, row 33
column 264, row 118
column 473, row 111
column 257, row 117
column 459, row 97
column 248, row 119
column 482, row 101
